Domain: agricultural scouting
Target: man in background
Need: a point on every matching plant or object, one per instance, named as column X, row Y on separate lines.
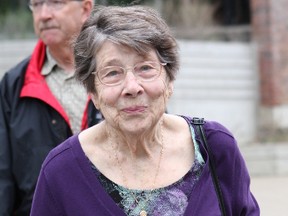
column 41, row 105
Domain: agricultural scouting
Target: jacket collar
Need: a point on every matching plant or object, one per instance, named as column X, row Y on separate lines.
column 35, row 85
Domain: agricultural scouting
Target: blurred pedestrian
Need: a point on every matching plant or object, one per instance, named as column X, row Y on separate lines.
column 41, row 104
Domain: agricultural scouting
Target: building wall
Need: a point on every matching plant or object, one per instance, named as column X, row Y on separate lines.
column 219, row 81
column 270, row 33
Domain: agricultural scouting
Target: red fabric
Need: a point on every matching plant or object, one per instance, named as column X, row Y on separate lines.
column 84, row 124
column 35, row 85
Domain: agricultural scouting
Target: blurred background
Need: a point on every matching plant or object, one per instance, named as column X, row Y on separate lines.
column 234, row 69
column 195, row 19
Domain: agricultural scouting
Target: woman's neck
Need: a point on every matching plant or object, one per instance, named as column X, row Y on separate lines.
column 137, row 145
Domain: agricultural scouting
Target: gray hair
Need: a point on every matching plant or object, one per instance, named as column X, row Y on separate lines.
column 138, row 27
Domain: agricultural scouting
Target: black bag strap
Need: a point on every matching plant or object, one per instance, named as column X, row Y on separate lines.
column 198, row 122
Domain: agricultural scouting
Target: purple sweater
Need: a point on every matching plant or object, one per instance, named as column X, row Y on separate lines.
column 68, row 186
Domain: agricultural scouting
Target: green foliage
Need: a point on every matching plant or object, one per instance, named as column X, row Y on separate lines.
column 6, row 5
column 16, row 24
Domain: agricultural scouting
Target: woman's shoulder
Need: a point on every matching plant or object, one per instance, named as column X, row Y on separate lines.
column 209, row 125
column 216, row 127
column 62, row 152
column 219, row 136
column 221, row 140
column 175, row 122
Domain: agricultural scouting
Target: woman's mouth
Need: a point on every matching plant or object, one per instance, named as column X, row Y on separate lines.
column 134, row 109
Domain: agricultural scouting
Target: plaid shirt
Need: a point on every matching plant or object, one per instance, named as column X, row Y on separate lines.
column 71, row 95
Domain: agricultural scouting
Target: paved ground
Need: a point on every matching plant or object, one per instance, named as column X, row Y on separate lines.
column 271, row 194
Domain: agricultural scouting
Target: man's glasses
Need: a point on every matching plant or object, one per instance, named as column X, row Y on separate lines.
column 143, row 71
column 37, row 5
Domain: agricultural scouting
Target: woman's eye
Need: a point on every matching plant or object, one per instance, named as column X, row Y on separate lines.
column 145, row 67
column 112, row 73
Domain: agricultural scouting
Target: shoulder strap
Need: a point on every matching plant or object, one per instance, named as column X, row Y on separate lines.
column 198, row 122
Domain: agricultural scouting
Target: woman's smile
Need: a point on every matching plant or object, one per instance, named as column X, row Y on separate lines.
column 134, row 109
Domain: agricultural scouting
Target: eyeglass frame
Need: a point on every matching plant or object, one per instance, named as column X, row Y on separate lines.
column 126, row 70
column 32, row 5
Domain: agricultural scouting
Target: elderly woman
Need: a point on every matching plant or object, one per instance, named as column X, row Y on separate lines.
column 139, row 160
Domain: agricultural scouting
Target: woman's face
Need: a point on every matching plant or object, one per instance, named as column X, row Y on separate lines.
column 132, row 106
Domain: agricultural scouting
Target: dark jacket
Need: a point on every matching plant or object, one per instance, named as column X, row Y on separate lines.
column 32, row 122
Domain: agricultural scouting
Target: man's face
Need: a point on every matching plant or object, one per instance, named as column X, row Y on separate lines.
column 56, row 22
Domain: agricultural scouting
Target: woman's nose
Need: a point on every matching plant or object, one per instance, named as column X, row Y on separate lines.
column 132, row 85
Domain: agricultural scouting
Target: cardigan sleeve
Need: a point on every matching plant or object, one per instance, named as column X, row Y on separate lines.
column 43, row 202
column 244, row 202
column 232, row 171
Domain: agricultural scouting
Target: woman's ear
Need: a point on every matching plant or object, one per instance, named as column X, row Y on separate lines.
column 170, row 89
column 94, row 99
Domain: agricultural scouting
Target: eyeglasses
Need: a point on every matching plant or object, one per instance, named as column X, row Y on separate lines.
column 37, row 5
column 143, row 71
